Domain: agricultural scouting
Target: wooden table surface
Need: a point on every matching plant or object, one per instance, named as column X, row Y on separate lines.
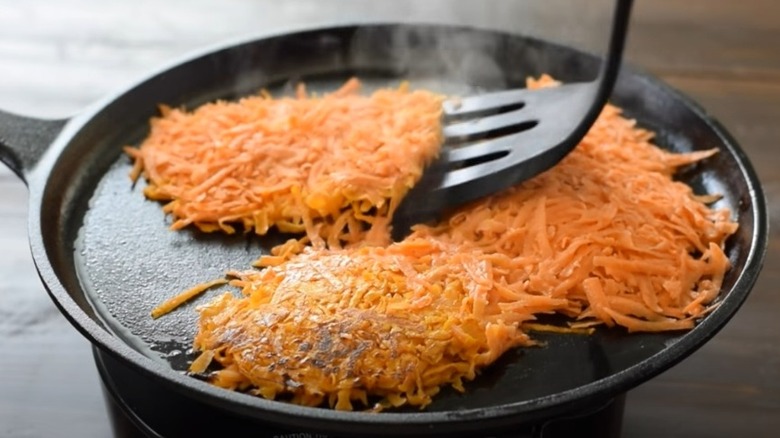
column 58, row 56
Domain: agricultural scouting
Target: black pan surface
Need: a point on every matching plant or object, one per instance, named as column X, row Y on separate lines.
column 107, row 257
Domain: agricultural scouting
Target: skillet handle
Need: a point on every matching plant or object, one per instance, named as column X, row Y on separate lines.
column 24, row 140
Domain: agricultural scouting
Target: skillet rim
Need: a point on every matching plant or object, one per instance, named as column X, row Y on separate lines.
column 361, row 422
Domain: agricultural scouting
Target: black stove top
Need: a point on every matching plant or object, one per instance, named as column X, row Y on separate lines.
column 149, row 410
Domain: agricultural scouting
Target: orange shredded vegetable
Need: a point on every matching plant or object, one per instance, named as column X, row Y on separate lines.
column 338, row 326
column 608, row 229
column 176, row 301
column 263, row 162
column 606, row 237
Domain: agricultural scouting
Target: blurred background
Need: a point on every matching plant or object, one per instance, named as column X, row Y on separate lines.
column 58, row 56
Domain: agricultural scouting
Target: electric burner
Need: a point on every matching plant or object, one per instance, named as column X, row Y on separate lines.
column 140, row 408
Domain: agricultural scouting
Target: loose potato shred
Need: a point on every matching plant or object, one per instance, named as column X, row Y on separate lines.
column 178, row 300
column 606, row 237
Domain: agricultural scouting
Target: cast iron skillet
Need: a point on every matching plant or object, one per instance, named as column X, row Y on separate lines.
column 106, row 257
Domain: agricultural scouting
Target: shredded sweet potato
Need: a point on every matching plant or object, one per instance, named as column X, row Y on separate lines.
column 606, row 237
column 608, row 229
column 339, row 326
column 178, row 300
column 288, row 162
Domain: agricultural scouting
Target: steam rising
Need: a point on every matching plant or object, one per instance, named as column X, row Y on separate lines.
column 449, row 61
